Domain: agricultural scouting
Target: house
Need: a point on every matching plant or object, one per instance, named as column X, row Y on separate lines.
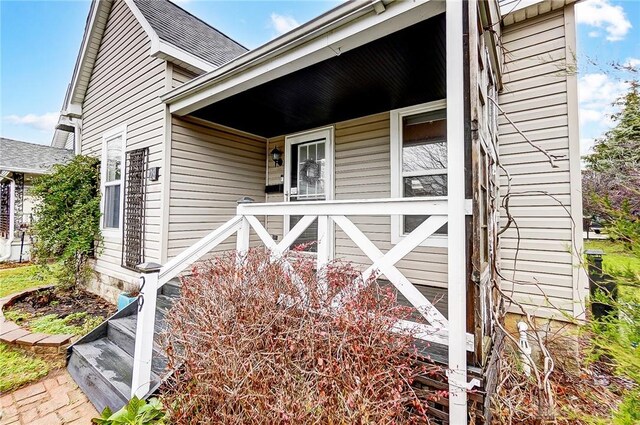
column 20, row 163
column 390, row 133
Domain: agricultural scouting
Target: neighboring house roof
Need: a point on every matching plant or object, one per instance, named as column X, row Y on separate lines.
column 180, row 28
column 30, row 157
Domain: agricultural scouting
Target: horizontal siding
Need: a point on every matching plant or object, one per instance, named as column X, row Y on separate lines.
column 535, row 98
column 179, row 76
column 211, row 169
column 124, row 89
column 362, row 171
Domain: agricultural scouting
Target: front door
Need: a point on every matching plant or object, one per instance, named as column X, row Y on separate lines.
column 308, row 176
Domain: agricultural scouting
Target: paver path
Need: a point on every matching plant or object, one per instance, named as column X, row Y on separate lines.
column 55, row 400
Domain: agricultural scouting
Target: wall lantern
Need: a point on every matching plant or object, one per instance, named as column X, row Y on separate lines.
column 276, row 155
column 153, row 174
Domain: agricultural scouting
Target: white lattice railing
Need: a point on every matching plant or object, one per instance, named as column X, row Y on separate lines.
column 328, row 214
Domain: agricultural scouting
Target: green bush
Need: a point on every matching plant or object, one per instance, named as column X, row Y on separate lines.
column 136, row 412
column 68, row 218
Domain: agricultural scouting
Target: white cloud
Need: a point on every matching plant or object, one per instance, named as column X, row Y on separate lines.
column 594, row 34
column 282, row 23
column 586, row 146
column 632, row 63
column 44, row 122
column 597, row 93
column 604, row 15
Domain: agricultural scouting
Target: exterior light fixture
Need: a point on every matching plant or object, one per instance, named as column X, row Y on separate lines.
column 276, row 155
column 153, row 174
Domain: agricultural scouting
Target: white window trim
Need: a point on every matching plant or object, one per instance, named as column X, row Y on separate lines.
column 117, row 131
column 396, row 168
column 304, row 136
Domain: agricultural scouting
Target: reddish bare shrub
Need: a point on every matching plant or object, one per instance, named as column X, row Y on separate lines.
column 248, row 350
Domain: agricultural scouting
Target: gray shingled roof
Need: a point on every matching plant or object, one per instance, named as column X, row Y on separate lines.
column 180, row 28
column 16, row 155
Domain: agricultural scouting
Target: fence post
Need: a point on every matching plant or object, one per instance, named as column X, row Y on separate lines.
column 145, row 329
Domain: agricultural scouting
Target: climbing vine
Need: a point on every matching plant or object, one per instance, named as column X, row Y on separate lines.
column 67, row 214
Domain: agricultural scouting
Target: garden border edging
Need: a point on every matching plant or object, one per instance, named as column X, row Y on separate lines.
column 11, row 333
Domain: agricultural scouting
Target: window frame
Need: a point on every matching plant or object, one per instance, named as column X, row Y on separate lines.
column 114, row 232
column 397, row 175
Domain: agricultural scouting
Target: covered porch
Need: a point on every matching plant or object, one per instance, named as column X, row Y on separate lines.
column 363, row 120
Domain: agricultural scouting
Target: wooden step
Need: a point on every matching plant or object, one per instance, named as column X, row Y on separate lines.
column 173, row 288
column 101, row 362
column 103, row 371
column 122, row 332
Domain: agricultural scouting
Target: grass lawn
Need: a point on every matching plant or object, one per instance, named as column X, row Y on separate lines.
column 21, row 278
column 75, row 324
column 18, row 368
column 616, row 260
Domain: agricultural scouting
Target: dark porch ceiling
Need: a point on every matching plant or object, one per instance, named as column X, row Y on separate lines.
column 404, row 68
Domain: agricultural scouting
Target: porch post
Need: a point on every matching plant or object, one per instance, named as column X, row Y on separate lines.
column 145, row 329
column 457, row 372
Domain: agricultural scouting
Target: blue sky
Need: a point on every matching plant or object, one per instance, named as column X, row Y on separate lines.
column 39, row 41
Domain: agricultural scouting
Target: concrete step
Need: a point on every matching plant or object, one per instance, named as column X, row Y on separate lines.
column 103, row 371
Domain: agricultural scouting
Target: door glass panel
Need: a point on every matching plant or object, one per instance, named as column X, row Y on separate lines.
column 308, row 163
column 310, row 171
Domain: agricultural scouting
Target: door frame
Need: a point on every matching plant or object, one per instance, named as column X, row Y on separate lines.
column 305, row 136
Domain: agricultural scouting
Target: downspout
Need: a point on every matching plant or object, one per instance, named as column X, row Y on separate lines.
column 11, row 219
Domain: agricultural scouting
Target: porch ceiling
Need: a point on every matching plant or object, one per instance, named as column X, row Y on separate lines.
column 403, row 68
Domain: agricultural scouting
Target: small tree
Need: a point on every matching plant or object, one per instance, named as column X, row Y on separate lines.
column 68, row 218
column 612, row 177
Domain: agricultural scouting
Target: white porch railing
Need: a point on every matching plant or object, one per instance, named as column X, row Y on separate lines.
column 326, row 212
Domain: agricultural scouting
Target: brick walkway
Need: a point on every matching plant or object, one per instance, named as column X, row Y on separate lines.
column 55, row 400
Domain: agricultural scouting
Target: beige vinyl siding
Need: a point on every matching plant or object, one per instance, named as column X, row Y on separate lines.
column 69, row 142
column 535, row 96
column 211, row 168
column 124, row 89
column 179, row 76
column 363, row 171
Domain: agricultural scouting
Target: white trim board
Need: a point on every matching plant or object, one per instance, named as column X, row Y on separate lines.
column 121, row 131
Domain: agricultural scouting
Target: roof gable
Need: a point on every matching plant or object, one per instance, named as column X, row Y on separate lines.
column 176, row 26
column 175, row 36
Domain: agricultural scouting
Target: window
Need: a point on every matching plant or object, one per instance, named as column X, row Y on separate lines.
column 112, row 161
column 419, row 163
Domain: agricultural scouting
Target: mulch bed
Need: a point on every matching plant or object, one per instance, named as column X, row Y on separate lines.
column 14, row 265
column 51, row 301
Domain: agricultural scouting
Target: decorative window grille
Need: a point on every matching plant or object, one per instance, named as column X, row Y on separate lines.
column 5, row 209
column 136, row 163
column 18, row 201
